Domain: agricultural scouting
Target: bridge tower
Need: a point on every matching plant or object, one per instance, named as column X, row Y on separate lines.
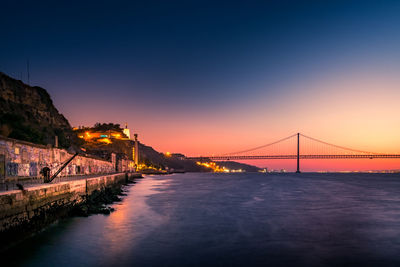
column 298, row 153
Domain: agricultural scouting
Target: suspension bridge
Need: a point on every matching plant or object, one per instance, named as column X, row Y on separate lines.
column 298, row 146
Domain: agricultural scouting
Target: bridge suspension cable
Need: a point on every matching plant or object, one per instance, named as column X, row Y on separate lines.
column 336, row 146
column 307, row 148
column 259, row 147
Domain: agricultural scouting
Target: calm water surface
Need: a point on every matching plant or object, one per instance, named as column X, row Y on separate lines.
column 233, row 220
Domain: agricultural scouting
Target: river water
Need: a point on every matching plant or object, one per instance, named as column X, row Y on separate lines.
column 203, row 219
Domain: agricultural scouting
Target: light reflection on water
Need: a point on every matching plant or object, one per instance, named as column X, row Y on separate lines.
column 234, row 220
column 122, row 230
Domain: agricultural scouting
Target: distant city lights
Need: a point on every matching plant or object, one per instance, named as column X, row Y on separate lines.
column 217, row 168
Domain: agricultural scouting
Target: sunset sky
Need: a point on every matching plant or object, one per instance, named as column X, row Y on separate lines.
column 201, row 77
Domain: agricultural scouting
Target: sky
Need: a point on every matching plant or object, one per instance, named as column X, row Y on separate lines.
column 211, row 77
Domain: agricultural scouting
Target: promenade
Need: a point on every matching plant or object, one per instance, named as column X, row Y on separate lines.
column 36, row 182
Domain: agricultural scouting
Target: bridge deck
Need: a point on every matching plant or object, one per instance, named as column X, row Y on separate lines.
column 360, row 156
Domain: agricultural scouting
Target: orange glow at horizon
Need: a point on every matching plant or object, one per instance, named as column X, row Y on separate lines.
column 356, row 109
column 307, row 165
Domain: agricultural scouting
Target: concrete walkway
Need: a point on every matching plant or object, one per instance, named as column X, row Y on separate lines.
column 28, row 183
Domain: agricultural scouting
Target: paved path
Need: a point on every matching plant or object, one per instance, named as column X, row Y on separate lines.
column 27, row 183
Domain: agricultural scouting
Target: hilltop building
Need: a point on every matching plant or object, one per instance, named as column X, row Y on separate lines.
column 103, row 133
column 103, row 139
column 126, row 131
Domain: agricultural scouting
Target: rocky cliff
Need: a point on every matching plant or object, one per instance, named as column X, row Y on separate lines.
column 27, row 113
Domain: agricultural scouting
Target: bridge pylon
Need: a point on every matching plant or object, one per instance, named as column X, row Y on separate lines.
column 312, row 148
column 298, row 153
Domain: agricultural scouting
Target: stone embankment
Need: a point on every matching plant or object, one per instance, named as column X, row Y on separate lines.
column 20, row 160
column 23, row 212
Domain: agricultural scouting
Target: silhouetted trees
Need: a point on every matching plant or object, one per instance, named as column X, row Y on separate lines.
column 107, row 126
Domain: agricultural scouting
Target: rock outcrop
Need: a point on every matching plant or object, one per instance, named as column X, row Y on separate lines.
column 27, row 113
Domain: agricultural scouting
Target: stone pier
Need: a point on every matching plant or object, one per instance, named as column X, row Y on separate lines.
column 35, row 207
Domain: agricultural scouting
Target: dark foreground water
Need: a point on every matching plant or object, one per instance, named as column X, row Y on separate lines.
column 233, row 220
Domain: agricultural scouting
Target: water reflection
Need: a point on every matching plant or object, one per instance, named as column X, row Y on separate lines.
column 133, row 218
column 203, row 219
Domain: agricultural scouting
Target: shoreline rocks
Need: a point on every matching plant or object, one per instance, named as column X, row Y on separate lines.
column 25, row 213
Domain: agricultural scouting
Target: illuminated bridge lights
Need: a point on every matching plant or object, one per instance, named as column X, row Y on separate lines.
column 292, row 148
column 383, row 156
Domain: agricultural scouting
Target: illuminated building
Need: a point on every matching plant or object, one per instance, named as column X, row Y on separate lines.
column 126, row 131
column 107, row 136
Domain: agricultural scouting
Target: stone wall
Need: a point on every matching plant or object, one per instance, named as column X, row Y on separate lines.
column 24, row 159
column 37, row 204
